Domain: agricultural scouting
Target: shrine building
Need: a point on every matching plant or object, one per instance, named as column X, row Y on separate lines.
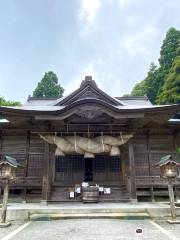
column 89, row 137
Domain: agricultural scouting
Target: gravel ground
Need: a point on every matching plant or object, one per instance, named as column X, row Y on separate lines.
column 92, row 229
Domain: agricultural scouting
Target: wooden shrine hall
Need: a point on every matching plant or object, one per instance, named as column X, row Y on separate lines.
column 89, row 137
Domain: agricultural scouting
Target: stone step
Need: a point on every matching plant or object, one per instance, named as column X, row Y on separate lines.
column 87, row 209
column 128, row 215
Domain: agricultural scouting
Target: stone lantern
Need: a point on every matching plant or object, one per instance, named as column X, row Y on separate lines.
column 169, row 170
column 8, row 167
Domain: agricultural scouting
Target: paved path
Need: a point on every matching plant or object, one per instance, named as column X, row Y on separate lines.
column 92, row 229
column 77, row 205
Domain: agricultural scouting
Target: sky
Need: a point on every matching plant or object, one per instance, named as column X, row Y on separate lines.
column 113, row 40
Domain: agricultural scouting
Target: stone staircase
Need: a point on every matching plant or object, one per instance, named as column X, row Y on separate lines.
column 118, row 194
column 88, row 212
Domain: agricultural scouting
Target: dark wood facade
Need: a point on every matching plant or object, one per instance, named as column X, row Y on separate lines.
column 90, row 112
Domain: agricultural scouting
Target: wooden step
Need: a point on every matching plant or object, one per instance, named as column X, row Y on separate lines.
column 118, row 194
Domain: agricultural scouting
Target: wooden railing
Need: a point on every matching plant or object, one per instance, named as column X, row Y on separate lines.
column 24, row 181
column 154, row 181
column 148, row 181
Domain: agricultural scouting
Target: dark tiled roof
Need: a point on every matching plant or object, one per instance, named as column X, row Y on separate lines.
column 9, row 160
column 135, row 100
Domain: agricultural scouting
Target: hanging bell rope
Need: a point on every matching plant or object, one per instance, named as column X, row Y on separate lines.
column 102, row 141
column 121, row 137
column 55, row 134
column 88, row 144
column 75, row 142
column 88, row 131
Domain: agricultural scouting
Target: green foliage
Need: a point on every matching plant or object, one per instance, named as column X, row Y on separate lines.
column 127, row 95
column 145, row 86
column 169, row 48
column 178, row 150
column 153, row 84
column 48, row 87
column 171, row 88
column 3, row 102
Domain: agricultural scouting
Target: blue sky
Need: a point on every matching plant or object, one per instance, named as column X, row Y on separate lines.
column 112, row 40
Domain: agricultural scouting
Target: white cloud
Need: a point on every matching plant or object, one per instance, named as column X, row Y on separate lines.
column 102, row 72
column 89, row 70
column 139, row 42
column 124, row 3
column 88, row 12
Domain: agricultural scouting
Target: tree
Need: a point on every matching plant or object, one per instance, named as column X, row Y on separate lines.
column 169, row 48
column 3, row 102
column 171, row 89
column 169, row 51
column 145, row 86
column 48, row 87
column 152, row 85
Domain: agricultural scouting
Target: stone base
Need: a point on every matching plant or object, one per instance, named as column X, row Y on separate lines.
column 133, row 200
column 44, row 202
column 173, row 221
column 4, row 225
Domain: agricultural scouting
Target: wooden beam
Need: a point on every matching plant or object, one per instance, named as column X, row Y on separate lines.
column 132, row 174
column 114, row 115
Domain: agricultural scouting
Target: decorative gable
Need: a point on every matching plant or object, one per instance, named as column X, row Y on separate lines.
column 88, row 90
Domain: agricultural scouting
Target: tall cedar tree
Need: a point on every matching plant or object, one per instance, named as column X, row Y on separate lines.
column 49, row 87
column 171, row 88
column 152, row 85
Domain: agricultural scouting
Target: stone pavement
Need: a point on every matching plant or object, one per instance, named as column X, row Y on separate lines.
column 14, row 226
column 78, row 205
column 94, row 229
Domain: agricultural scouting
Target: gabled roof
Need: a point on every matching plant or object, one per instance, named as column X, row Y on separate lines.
column 89, row 98
column 167, row 159
column 9, row 161
column 88, row 90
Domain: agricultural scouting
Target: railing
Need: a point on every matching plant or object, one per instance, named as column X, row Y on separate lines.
column 151, row 182
column 154, row 181
column 24, row 181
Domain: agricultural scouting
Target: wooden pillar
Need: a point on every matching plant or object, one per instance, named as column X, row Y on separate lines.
column 27, row 153
column 5, row 201
column 171, row 197
column 26, row 164
column 1, row 141
column 1, row 151
column 46, row 174
column 149, row 168
column 132, row 175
